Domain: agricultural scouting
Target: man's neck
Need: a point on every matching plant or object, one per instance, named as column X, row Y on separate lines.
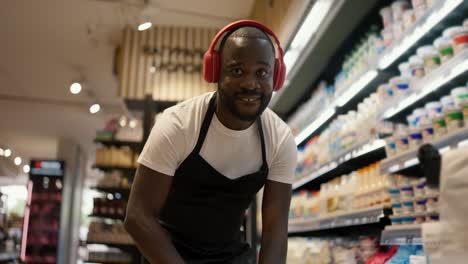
column 229, row 120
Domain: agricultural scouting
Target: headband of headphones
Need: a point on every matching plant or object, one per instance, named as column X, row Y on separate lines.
column 246, row 23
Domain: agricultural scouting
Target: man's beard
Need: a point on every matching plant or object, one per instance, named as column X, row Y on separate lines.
column 229, row 102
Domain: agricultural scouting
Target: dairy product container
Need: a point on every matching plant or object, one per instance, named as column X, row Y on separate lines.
column 405, row 69
column 444, row 46
column 387, row 16
column 458, row 37
column 408, row 18
column 417, row 66
column 430, row 56
column 398, row 7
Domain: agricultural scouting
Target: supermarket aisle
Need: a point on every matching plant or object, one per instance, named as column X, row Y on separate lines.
column 366, row 190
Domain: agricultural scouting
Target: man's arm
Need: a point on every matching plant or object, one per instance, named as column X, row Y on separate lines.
column 148, row 195
column 275, row 211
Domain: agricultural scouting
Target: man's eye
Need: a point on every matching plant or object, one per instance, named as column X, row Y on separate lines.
column 262, row 74
column 237, row 71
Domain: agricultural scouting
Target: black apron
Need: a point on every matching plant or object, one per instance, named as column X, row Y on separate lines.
column 204, row 209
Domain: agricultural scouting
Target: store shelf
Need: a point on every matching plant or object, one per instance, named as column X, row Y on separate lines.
column 123, row 191
column 402, row 235
column 438, row 78
column 426, row 26
column 356, row 157
column 409, row 158
column 111, row 244
column 111, row 168
column 104, row 261
column 117, row 143
column 139, row 105
column 9, row 256
column 356, row 218
column 345, row 101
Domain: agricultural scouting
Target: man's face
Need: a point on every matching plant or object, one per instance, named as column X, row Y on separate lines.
column 246, row 77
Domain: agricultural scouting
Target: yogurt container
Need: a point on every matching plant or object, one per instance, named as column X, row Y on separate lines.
column 417, row 66
column 401, row 141
column 408, row 220
column 408, row 206
column 394, row 194
column 445, row 48
column 390, row 147
column 420, row 187
column 432, row 217
column 405, row 69
column 458, row 37
column 407, row 192
column 420, row 206
column 430, row 57
column 460, row 95
column 397, row 209
column 432, row 204
column 387, row 35
column 396, row 220
column 453, row 118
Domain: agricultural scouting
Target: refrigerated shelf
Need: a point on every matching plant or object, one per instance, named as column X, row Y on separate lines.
column 338, row 220
column 402, row 235
column 441, row 76
column 345, row 163
column 409, row 158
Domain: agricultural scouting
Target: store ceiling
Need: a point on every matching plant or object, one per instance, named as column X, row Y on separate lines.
column 48, row 44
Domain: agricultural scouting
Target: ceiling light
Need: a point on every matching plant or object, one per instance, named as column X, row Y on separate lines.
column 132, row 123
column 309, row 27
column 144, row 26
column 7, row 153
column 94, row 108
column 123, row 121
column 75, row 88
column 26, row 168
column 1, row 152
column 18, row 161
column 152, row 69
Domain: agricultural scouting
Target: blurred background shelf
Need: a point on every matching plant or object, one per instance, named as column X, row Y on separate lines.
column 402, row 235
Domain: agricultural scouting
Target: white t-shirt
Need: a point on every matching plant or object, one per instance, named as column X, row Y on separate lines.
column 233, row 153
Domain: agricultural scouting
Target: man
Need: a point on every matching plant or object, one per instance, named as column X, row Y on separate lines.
column 207, row 157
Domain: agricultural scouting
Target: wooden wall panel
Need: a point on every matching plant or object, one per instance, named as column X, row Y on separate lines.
column 175, row 52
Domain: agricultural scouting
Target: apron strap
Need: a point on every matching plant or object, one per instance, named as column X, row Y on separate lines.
column 262, row 141
column 206, row 124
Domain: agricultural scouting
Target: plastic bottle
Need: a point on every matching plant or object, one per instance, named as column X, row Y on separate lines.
column 405, row 70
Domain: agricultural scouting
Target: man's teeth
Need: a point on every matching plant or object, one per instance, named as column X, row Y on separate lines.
column 249, row 99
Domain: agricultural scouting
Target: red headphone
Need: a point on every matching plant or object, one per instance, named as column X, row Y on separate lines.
column 211, row 61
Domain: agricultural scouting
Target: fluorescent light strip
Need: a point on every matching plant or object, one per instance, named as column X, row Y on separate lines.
column 444, row 150
column 377, row 144
column 456, row 71
column 356, row 87
column 411, row 162
column 463, row 143
column 315, row 175
column 419, row 32
column 324, row 117
column 306, row 31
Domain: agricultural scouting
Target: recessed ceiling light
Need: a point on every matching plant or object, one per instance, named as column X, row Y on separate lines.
column 94, row 108
column 144, row 26
column 123, row 121
column 18, row 161
column 75, row 88
column 7, row 153
column 152, row 69
column 132, row 123
column 26, row 169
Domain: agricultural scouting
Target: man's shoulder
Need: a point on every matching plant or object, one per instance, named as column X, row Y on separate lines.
column 274, row 124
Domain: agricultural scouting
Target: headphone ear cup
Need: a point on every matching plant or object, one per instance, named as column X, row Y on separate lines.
column 208, row 65
column 279, row 74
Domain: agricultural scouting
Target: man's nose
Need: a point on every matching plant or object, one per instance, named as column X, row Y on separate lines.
column 250, row 82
